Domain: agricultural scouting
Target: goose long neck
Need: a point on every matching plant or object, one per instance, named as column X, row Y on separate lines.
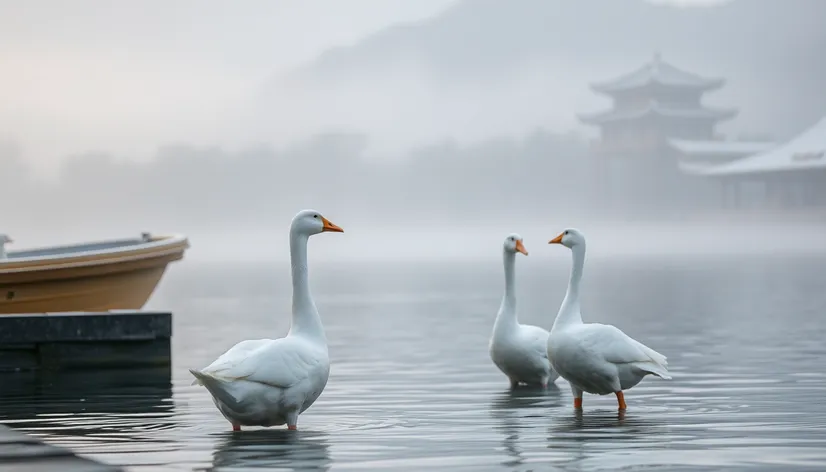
column 2, row 251
column 569, row 312
column 507, row 310
column 305, row 319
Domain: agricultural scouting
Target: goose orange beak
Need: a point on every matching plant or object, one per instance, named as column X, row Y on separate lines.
column 521, row 248
column 556, row 240
column 330, row 227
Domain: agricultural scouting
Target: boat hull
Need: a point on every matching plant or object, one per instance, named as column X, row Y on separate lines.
column 117, row 278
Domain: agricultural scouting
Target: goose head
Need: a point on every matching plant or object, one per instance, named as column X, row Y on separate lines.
column 4, row 238
column 513, row 244
column 310, row 222
column 569, row 238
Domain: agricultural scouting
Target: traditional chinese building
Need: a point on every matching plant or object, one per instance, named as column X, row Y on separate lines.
column 654, row 103
column 658, row 118
column 791, row 174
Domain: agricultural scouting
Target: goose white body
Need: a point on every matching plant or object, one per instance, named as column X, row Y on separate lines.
column 269, row 382
column 593, row 357
column 518, row 350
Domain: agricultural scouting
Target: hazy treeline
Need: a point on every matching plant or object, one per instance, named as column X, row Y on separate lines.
column 192, row 186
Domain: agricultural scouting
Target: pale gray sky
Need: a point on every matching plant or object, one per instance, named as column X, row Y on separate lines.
column 81, row 75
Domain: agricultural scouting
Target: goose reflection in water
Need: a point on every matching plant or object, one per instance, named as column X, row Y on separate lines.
column 608, row 423
column 272, row 449
column 525, row 397
column 583, row 436
column 516, row 409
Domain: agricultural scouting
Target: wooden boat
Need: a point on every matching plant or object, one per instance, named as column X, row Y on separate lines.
column 97, row 276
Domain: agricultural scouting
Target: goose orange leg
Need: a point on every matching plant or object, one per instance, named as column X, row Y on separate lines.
column 621, row 400
column 577, row 397
column 292, row 420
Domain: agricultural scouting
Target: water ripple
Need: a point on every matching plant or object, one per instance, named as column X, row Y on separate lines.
column 412, row 387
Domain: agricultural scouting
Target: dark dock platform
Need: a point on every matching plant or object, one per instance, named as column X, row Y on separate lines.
column 37, row 341
column 22, row 453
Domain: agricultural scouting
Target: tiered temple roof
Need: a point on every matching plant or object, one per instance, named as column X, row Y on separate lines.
column 657, row 72
column 658, row 109
column 663, row 92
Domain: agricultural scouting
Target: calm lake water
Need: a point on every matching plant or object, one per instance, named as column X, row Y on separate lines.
column 412, row 387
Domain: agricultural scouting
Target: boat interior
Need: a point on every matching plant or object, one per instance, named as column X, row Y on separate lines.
column 116, row 245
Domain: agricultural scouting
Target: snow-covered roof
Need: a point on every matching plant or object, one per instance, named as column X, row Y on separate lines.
column 804, row 152
column 720, row 147
column 660, row 72
column 665, row 110
column 697, row 168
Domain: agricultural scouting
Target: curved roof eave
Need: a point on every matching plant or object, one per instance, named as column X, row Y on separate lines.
column 610, row 88
column 609, row 116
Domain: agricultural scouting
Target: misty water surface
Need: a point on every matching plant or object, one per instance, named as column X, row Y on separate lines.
column 412, row 386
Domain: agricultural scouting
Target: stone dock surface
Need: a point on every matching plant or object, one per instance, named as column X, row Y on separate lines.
column 36, row 341
column 20, row 452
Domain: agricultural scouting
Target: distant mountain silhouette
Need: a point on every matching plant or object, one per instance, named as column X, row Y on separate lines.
column 770, row 51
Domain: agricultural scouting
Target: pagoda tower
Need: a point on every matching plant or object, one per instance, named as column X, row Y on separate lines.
column 633, row 166
column 652, row 104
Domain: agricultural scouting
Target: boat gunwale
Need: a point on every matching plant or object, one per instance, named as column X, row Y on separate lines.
column 158, row 246
column 94, row 262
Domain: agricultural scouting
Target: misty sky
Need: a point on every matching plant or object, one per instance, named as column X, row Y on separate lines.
column 95, row 74
column 87, row 75
column 222, row 104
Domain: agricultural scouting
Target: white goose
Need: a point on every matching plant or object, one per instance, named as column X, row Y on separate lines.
column 269, row 382
column 594, row 357
column 519, row 351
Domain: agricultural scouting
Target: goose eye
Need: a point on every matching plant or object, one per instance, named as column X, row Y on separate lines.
column 315, row 216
